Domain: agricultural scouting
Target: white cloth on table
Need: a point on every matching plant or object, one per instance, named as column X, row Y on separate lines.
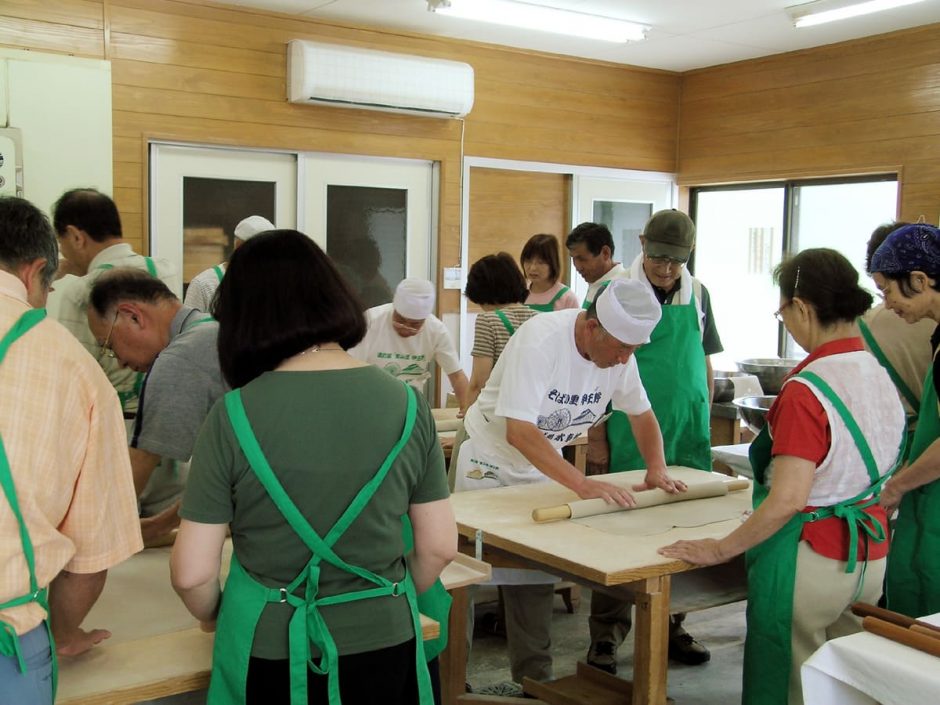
column 866, row 669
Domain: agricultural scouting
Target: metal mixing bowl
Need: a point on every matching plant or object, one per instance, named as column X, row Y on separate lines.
column 754, row 410
column 770, row 371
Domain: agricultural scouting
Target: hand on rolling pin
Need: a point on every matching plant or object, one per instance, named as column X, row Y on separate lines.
column 701, row 552
column 595, row 489
column 79, row 641
column 660, row 479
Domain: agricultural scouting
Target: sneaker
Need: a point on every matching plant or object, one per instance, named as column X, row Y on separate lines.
column 685, row 649
column 603, row 655
column 507, row 689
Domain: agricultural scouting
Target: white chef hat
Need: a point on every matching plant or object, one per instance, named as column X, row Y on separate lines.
column 628, row 310
column 414, row 298
column 251, row 226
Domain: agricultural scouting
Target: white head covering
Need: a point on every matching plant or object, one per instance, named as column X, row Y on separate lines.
column 251, row 226
column 414, row 299
column 629, row 311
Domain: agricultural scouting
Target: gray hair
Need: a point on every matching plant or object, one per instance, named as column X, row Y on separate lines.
column 25, row 236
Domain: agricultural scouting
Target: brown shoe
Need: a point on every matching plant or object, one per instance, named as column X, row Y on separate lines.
column 685, row 649
column 603, row 655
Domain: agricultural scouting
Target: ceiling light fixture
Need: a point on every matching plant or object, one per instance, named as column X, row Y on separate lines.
column 545, row 19
column 822, row 11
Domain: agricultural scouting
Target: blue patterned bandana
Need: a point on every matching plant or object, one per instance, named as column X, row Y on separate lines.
column 912, row 248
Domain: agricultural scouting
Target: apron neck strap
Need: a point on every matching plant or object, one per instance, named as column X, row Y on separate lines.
column 322, row 548
column 863, row 448
column 879, row 354
column 505, row 319
column 22, row 326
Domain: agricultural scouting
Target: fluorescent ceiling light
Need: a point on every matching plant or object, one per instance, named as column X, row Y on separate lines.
column 545, row 19
column 822, row 11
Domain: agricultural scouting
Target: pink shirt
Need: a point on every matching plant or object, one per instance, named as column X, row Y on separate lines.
column 567, row 300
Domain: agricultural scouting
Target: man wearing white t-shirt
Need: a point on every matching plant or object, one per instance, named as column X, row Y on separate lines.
column 553, row 382
column 404, row 337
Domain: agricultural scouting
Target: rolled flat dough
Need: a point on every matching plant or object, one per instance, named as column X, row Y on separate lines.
column 650, row 521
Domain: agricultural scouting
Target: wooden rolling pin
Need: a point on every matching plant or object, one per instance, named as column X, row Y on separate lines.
column 908, row 637
column 863, row 609
column 646, row 498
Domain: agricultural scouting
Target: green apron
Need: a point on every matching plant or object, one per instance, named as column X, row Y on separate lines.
column 550, row 306
column 912, row 584
column 681, row 407
column 244, row 598
column 9, row 641
column 771, row 565
column 218, row 272
column 433, row 602
column 901, row 385
column 130, row 397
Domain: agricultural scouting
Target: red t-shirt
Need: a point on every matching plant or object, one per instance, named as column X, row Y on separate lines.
column 801, row 428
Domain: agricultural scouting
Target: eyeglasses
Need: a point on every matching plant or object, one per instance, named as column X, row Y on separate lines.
column 106, row 350
column 778, row 314
column 667, row 261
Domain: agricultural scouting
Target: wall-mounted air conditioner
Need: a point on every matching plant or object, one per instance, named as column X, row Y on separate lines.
column 343, row 76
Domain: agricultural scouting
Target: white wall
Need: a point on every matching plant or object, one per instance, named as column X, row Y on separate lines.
column 62, row 106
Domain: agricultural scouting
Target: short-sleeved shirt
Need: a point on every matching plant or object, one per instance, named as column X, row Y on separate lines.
column 68, row 304
column 614, row 272
column 182, row 385
column 311, row 427
column 490, row 334
column 407, row 359
column 567, row 300
column 681, row 293
column 201, row 288
column 61, row 425
column 542, row 379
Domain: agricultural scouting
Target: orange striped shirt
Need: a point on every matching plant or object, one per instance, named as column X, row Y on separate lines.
column 64, row 434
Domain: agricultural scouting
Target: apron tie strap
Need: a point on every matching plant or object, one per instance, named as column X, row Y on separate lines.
column 10, row 645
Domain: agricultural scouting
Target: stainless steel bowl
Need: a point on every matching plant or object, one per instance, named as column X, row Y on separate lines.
column 770, row 371
column 754, row 410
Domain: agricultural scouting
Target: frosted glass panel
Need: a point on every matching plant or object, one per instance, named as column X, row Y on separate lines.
column 211, row 210
column 625, row 222
column 367, row 237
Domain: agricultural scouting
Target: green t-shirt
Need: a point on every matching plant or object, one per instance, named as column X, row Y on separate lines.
column 325, row 434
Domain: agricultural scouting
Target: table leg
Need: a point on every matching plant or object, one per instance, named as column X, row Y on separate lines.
column 453, row 660
column 650, row 651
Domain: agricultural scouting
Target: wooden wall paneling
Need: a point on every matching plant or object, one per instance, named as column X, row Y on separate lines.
column 78, row 13
column 509, row 207
column 193, row 71
column 832, row 62
column 866, row 106
column 52, row 37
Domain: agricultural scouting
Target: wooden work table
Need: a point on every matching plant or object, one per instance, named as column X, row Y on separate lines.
column 157, row 648
column 498, row 522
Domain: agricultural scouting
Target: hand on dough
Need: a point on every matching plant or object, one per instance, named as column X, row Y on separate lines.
column 701, row 552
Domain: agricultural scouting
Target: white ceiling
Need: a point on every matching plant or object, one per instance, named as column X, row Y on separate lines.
column 685, row 34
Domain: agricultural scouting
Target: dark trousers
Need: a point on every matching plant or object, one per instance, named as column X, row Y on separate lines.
column 382, row 677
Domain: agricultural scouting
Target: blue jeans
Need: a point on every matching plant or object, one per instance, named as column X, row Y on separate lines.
column 35, row 686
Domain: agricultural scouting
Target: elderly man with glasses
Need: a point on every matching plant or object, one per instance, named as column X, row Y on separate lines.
column 677, row 375
column 141, row 325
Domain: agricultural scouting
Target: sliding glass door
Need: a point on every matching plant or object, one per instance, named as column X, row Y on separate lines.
column 744, row 231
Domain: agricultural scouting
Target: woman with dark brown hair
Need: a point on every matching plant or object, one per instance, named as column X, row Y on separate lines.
column 542, row 267
column 817, row 539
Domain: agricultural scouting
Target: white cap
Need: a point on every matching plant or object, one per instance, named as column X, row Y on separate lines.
column 628, row 310
column 414, row 299
column 251, row 226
